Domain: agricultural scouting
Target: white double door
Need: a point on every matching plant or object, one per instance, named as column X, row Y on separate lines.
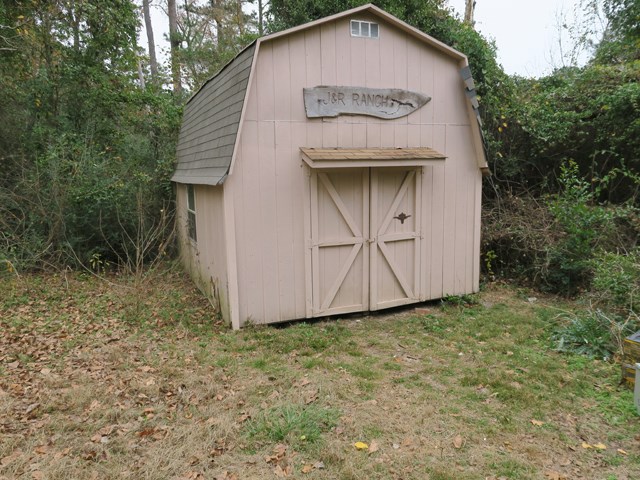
column 365, row 238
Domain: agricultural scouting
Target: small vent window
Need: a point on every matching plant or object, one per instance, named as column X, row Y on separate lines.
column 361, row 28
column 191, row 213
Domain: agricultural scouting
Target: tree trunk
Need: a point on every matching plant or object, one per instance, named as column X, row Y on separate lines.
column 260, row 17
column 240, row 17
column 470, row 6
column 141, row 75
column 153, row 62
column 175, row 45
column 216, row 14
column 74, row 18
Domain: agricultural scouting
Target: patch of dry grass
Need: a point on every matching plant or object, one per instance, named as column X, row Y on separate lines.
column 450, row 392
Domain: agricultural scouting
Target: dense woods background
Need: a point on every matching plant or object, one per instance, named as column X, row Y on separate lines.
column 89, row 121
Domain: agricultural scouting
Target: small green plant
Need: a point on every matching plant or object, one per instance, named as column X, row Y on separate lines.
column 98, row 263
column 489, row 261
column 295, row 425
column 466, row 300
column 616, row 279
column 593, row 333
column 7, row 268
column 431, row 323
column 584, row 225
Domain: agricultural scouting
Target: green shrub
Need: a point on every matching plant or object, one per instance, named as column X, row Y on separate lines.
column 553, row 243
column 583, row 225
column 593, row 333
column 616, row 279
column 585, row 334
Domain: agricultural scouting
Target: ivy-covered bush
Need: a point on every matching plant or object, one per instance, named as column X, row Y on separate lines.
column 589, row 115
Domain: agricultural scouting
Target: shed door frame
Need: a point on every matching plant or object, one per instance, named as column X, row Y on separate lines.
column 368, row 237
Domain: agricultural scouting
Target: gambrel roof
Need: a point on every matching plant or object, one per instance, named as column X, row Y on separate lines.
column 210, row 123
column 213, row 115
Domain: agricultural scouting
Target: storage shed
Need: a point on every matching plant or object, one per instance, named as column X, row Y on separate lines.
column 330, row 168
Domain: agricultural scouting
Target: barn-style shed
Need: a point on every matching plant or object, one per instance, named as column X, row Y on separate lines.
column 330, row 168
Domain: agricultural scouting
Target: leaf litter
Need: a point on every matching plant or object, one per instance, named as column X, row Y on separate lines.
column 83, row 389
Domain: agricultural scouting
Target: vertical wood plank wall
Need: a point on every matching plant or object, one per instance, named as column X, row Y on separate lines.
column 207, row 265
column 268, row 180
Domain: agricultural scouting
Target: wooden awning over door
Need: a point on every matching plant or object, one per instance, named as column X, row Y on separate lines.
column 370, row 157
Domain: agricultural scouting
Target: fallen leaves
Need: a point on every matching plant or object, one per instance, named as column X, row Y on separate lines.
column 42, row 449
column 69, row 363
column 93, row 455
column 554, row 475
column 280, row 460
column 220, row 447
column 458, row 442
column 10, row 458
column 279, row 452
column 311, row 397
column 597, row 446
column 82, row 388
column 97, row 438
column 226, row 475
column 153, row 433
column 282, row 472
column 303, row 382
column 192, row 475
column 244, row 417
column 309, row 467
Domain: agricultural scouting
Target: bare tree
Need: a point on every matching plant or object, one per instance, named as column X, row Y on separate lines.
column 143, row 85
column 262, row 5
column 469, row 8
column 217, row 14
column 153, row 61
column 174, row 40
column 240, row 17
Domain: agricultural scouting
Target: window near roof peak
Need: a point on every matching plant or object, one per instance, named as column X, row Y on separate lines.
column 360, row 28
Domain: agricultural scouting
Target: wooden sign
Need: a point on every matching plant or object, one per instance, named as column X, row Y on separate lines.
column 325, row 101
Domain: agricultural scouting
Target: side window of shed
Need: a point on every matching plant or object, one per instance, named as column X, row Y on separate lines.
column 360, row 28
column 191, row 213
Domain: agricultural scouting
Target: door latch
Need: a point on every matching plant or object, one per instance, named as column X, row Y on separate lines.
column 402, row 217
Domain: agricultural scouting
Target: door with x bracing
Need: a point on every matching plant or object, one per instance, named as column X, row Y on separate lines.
column 365, row 239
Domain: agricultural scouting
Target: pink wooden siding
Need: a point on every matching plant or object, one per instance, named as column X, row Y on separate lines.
column 205, row 259
column 270, row 187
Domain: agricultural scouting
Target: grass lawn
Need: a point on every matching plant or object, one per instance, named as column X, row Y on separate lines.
column 102, row 380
